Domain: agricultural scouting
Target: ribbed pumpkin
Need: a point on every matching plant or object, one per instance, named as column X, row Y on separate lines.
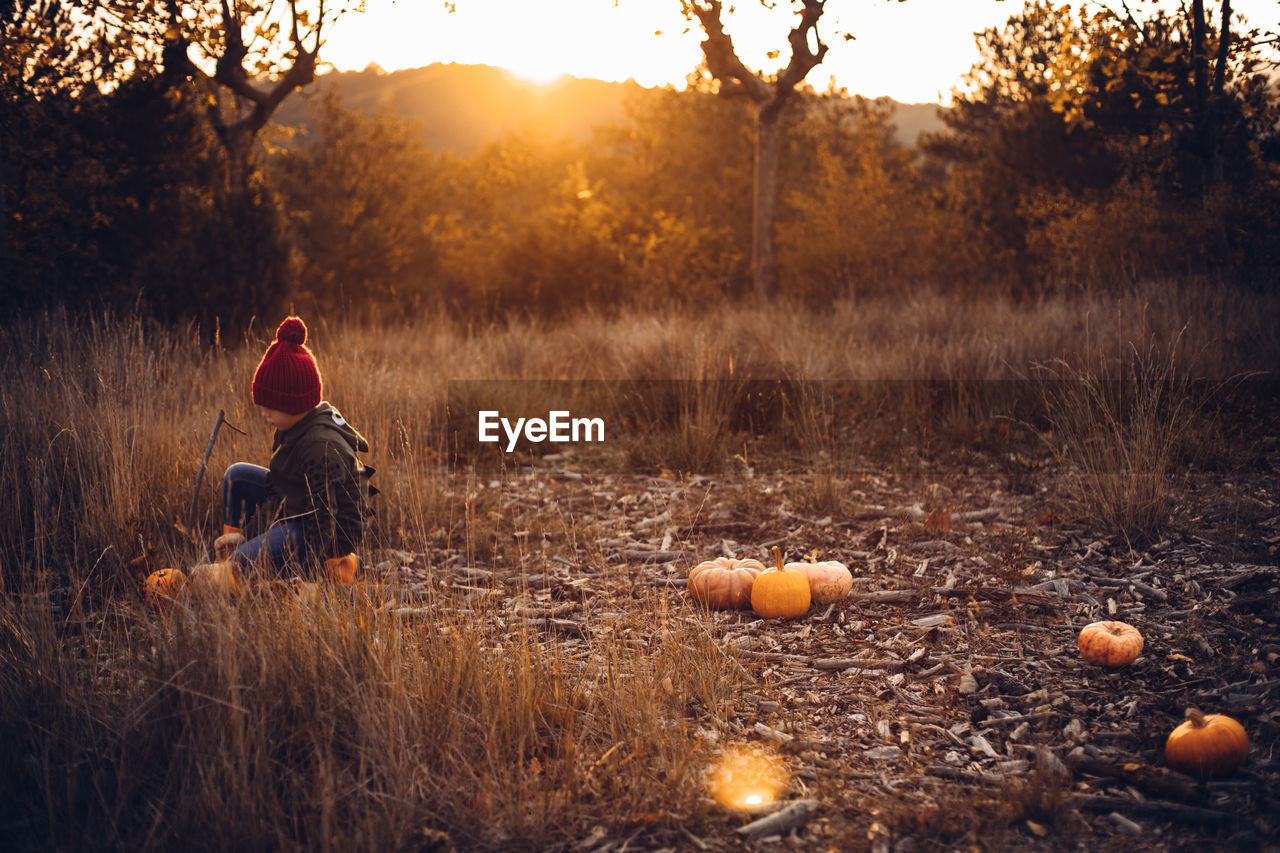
column 780, row 593
column 724, row 583
column 1206, row 745
column 1110, row 644
column 829, row 581
column 162, row 587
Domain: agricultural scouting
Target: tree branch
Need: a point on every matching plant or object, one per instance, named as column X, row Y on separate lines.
column 722, row 57
column 229, row 70
column 1224, row 41
column 231, row 73
column 734, row 76
column 803, row 60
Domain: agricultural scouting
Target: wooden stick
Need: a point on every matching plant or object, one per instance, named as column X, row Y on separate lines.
column 204, row 463
column 794, row 815
column 1155, row 809
column 1158, row 781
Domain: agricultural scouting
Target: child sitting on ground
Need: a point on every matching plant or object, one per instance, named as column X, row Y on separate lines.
column 310, row 506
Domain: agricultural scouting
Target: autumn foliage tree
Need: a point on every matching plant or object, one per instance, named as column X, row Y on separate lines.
column 861, row 215
column 676, row 173
column 361, row 196
column 1105, row 148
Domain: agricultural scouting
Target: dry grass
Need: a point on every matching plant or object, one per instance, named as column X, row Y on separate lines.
column 1124, row 442
column 263, row 724
column 269, row 722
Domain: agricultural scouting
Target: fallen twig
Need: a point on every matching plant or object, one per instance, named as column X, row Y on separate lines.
column 1153, row 808
column 1154, row 780
column 794, row 815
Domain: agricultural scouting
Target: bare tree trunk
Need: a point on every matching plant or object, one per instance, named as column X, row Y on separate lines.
column 765, row 204
column 238, row 146
column 1213, row 133
column 4, row 216
column 1217, row 94
column 1207, row 120
column 769, row 97
column 1199, row 58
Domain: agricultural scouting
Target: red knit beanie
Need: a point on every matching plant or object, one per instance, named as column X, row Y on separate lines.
column 287, row 378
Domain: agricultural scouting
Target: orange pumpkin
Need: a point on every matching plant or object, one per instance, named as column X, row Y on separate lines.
column 1206, row 745
column 780, row 593
column 723, row 583
column 162, row 587
column 1110, row 644
column 829, row 581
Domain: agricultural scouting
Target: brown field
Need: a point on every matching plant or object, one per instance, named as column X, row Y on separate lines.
column 519, row 666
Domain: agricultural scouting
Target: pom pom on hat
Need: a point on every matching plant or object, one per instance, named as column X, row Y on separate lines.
column 293, row 331
column 287, row 379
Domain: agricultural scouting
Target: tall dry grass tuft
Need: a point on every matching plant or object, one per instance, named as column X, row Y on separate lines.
column 1126, row 439
column 270, row 722
column 98, row 429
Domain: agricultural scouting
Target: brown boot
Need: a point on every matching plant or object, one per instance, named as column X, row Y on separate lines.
column 215, row 577
column 342, row 570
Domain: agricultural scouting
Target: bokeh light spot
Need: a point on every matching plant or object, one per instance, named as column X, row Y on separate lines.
column 748, row 777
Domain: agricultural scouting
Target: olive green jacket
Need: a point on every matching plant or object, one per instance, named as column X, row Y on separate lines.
column 316, row 480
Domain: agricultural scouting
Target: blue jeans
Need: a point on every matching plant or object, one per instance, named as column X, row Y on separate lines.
column 244, row 488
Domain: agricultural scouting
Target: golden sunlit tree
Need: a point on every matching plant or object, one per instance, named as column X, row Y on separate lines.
column 677, row 173
column 1193, row 69
column 858, row 217
column 361, row 195
column 769, row 94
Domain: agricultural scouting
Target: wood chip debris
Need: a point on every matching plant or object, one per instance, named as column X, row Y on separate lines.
column 961, row 640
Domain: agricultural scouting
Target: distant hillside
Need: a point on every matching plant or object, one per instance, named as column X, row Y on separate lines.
column 462, row 107
column 915, row 119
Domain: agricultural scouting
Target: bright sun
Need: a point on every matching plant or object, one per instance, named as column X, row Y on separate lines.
column 649, row 41
column 539, row 70
column 538, row 42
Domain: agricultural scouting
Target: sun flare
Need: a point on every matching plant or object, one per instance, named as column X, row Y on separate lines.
column 534, row 71
column 748, row 777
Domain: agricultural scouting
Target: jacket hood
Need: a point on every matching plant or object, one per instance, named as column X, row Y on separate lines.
column 326, row 416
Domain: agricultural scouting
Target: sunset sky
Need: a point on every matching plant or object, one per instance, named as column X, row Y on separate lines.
column 913, row 51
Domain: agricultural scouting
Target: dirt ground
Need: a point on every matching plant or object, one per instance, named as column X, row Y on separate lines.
column 944, row 704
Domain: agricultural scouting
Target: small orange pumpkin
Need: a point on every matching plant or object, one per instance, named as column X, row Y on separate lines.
column 1110, row 644
column 829, row 581
column 162, row 587
column 724, row 583
column 1206, row 745
column 780, row 593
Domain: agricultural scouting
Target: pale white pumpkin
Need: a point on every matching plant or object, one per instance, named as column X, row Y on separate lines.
column 829, row 581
